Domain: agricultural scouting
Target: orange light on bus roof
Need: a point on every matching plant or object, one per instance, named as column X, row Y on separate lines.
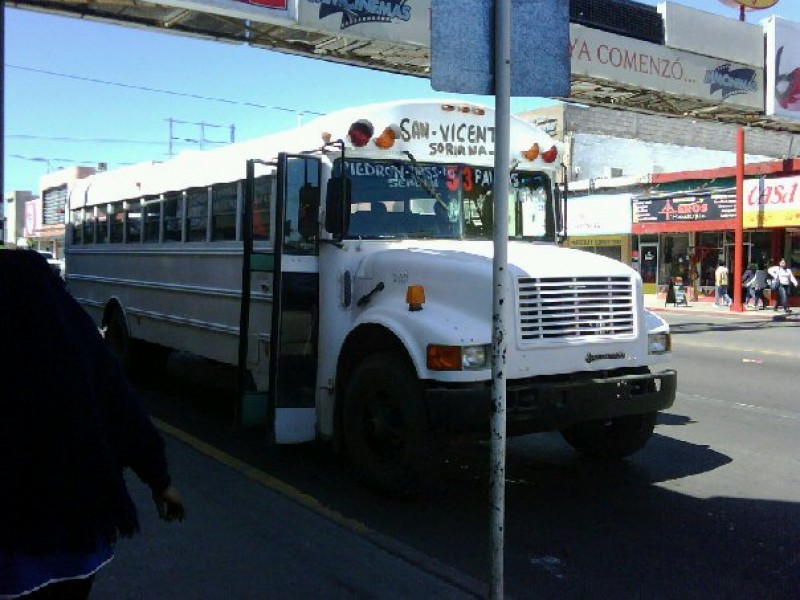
column 386, row 139
column 415, row 297
column 531, row 153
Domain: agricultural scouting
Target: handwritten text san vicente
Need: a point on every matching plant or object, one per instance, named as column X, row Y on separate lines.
column 450, row 139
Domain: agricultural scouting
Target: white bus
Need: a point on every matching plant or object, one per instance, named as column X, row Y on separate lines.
column 346, row 267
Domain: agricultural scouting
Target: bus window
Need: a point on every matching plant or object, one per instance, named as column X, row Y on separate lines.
column 197, row 214
column 223, row 211
column 173, row 209
column 89, row 227
column 151, row 210
column 261, row 205
column 102, row 224
column 116, row 214
column 133, row 222
column 77, row 226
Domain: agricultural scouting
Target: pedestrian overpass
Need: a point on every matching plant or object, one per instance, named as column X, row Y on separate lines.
column 624, row 54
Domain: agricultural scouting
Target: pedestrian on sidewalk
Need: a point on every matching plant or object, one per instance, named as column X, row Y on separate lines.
column 721, row 297
column 748, row 293
column 782, row 277
column 69, row 424
column 757, row 285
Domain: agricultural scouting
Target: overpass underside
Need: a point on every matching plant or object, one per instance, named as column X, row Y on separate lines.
column 403, row 58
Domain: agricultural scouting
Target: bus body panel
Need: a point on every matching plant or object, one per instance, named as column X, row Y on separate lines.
column 572, row 316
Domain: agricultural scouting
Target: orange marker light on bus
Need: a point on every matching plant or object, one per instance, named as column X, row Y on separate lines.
column 444, row 358
column 415, row 297
column 386, row 139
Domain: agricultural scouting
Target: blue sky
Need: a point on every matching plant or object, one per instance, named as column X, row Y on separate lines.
column 53, row 121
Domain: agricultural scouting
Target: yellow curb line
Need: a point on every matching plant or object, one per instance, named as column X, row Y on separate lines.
column 261, row 477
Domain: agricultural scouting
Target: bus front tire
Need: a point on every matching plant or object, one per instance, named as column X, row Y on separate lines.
column 611, row 438
column 386, row 432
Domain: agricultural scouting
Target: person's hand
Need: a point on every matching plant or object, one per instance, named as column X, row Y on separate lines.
column 169, row 504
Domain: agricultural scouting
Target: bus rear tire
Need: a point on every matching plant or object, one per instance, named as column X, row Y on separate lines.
column 386, row 431
column 611, row 438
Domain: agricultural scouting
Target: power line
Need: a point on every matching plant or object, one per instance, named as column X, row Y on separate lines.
column 53, row 138
column 47, row 160
column 162, row 91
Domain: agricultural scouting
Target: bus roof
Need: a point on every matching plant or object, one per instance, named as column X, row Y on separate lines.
column 429, row 130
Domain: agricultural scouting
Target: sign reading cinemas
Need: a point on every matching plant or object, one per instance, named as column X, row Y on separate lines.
column 706, row 212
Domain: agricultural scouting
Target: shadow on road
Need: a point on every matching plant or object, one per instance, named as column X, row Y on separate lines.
column 575, row 528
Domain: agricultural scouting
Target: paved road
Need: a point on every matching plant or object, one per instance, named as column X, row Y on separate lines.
column 249, row 536
column 708, row 509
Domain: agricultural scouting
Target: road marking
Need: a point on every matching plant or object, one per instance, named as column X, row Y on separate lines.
column 764, row 410
column 719, row 346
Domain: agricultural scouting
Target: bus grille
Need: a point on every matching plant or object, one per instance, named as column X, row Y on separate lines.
column 575, row 307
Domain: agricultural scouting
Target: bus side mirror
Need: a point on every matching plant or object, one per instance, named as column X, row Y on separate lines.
column 337, row 206
column 309, row 211
column 561, row 213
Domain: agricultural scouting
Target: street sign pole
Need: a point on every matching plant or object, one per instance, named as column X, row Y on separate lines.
column 500, row 300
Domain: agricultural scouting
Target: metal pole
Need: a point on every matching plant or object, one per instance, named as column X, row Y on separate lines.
column 738, row 235
column 500, row 300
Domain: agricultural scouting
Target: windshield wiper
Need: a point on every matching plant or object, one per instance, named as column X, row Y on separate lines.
column 422, row 182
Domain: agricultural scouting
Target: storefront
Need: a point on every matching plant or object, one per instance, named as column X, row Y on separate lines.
column 600, row 223
column 683, row 235
column 687, row 234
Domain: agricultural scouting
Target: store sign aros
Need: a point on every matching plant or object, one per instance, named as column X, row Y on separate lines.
column 751, row 4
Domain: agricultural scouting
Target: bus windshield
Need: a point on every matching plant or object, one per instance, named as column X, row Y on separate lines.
column 395, row 199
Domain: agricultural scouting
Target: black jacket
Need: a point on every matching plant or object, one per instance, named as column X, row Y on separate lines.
column 69, row 421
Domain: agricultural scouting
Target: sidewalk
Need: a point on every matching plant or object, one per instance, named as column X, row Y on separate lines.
column 657, row 303
column 247, row 535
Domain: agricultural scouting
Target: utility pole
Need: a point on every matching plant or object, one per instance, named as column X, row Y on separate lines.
column 201, row 141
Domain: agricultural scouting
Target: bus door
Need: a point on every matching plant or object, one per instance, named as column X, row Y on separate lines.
column 290, row 402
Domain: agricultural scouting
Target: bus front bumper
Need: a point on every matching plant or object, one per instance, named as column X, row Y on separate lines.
column 550, row 405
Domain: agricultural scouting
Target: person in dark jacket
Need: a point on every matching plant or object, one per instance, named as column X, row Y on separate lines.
column 69, row 425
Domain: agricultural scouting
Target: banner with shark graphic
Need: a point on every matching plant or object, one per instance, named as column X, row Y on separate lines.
column 405, row 21
column 602, row 55
column 783, row 68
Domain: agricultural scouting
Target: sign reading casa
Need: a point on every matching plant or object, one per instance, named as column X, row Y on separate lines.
column 772, row 202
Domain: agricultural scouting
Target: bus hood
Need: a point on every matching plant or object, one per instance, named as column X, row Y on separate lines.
column 458, row 303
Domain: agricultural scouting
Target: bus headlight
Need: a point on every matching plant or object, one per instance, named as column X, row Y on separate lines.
column 659, row 343
column 476, row 357
column 458, row 358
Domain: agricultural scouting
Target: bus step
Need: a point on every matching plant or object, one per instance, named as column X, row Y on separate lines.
column 254, row 409
column 262, row 262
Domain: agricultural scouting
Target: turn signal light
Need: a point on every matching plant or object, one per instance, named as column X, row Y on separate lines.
column 444, row 358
